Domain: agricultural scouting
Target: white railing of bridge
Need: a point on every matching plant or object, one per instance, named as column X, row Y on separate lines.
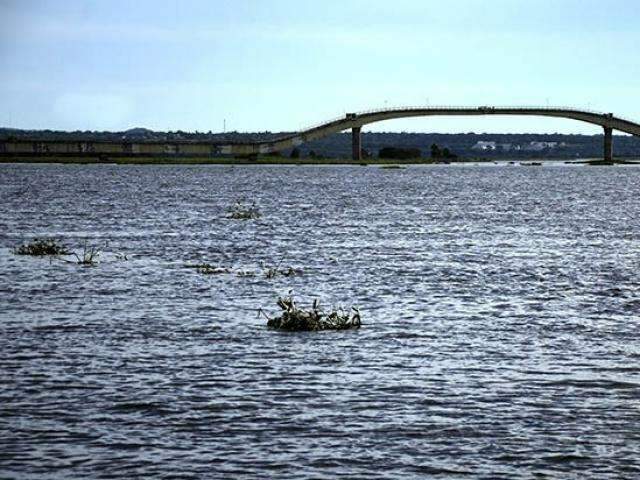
column 484, row 108
column 480, row 107
column 456, row 107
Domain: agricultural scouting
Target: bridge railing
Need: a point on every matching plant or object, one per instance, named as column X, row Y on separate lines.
column 500, row 107
column 479, row 107
column 452, row 107
column 321, row 124
column 485, row 108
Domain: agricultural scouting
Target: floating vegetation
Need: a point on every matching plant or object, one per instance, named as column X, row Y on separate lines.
column 41, row 247
column 197, row 265
column 243, row 211
column 294, row 319
column 207, row 269
column 272, row 272
column 268, row 272
column 50, row 247
column 285, row 272
column 246, row 273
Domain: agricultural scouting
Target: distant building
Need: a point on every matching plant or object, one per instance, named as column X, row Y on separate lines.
column 484, row 146
column 491, row 146
column 539, row 146
column 508, row 147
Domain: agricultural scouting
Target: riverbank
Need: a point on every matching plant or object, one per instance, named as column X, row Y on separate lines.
column 203, row 160
column 172, row 160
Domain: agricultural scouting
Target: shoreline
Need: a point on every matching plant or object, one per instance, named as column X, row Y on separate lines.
column 89, row 160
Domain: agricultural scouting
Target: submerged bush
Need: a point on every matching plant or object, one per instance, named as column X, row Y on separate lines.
column 294, row 319
column 49, row 246
column 242, row 211
column 89, row 256
column 40, row 247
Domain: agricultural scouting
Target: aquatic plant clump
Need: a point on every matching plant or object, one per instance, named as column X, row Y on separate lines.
column 207, row 269
column 286, row 272
column 41, row 247
column 89, row 256
column 242, row 211
column 294, row 319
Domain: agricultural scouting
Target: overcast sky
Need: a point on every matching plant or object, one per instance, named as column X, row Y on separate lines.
column 281, row 65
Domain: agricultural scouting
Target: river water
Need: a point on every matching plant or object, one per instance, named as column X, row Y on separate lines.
column 500, row 305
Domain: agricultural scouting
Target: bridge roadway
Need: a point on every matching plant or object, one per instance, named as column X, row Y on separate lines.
column 355, row 122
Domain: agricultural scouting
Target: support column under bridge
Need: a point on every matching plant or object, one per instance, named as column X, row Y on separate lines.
column 356, row 143
column 608, row 144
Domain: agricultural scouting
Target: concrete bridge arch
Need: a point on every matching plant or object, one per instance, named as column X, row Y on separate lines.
column 355, row 122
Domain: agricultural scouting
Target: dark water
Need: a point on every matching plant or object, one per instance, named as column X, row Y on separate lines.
column 501, row 306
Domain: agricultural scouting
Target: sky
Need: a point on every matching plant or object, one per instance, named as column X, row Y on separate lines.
column 281, row 65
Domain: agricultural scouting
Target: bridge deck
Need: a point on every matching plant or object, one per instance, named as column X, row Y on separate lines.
column 357, row 120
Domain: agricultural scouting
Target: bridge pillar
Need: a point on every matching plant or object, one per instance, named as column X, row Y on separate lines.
column 608, row 144
column 356, row 143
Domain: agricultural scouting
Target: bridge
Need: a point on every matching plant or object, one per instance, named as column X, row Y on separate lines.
column 355, row 122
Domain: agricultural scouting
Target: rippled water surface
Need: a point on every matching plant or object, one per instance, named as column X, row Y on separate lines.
column 501, row 309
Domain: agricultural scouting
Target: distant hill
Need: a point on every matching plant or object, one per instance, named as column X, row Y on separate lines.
column 139, row 131
column 465, row 145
